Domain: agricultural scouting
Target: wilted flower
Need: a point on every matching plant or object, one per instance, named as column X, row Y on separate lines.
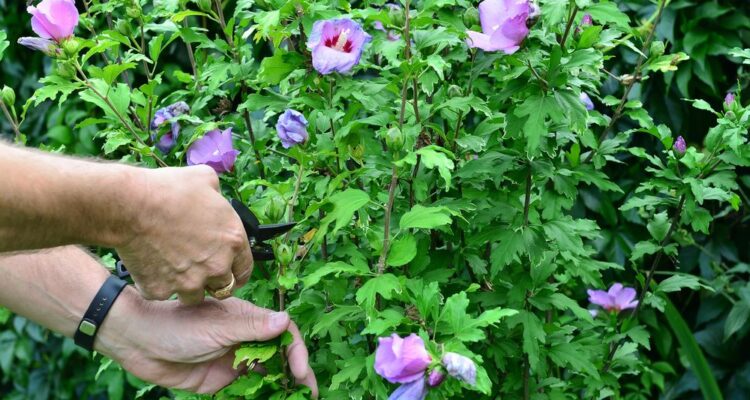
column 503, row 25
column 54, row 19
column 401, row 360
column 586, row 100
column 214, row 149
column 416, row 390
column 168, row 140
column 618, row 298
column 679, row 145
column 587, row 20
column 729, row 99
column 292, row 128
column 460, row 367
column 390, row 35
column 336, row 45
column 46, row 46
column 435, row 378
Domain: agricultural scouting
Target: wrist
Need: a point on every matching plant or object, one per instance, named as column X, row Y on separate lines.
column 118, row 336
column 126, row 201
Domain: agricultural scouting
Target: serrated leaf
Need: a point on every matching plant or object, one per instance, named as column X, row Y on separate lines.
column 253, row 353
column 422, row 217
column 345, row 204
column 337, row 268
column 385, row 285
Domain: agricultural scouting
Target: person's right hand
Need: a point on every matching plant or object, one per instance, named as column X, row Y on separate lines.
column 186, row 237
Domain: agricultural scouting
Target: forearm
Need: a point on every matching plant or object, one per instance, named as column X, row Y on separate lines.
column 48, row 200
column 54, row 287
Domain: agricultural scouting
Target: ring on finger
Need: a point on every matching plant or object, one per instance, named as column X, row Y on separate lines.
column 224, row 292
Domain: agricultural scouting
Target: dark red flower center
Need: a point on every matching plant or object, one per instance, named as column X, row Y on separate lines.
column 340, row 42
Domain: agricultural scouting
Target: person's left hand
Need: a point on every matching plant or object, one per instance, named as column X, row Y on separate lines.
column 192, row 347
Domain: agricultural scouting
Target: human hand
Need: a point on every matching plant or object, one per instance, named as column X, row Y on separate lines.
column 186, row 237
column 192, row 347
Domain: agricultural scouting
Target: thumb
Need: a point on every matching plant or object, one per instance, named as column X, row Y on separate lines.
column 258, row 324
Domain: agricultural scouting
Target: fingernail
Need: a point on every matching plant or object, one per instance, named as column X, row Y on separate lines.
column 278, row 320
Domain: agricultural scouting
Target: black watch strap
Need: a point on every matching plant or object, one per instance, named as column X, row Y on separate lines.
column 97, row 311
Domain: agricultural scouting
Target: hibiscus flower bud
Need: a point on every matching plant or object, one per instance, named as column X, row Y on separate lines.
column 292, row 128
column 9, row 96
column 284, row 254
column 394, row 139
column 729, row 99
column 123, row 26
column 401, row 360
column 436, row 377
column 504, row 25
column 205, row 5
column 586, row 100
column 657, row 48
column 275, row 209
column 460, row 367
column 471, row 16
column 587, row 20
column 616, row 299
column 46, row 46
column 54, row 19
column 167, row 141
column 214, row 149
column 71, row 46
column 680, row 147
column 336, row 45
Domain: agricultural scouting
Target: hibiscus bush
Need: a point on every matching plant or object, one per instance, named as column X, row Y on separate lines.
column 450, row 166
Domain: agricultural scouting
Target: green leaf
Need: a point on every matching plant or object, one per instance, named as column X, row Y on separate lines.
column 659, row 226
column 385, row 285
column 337, row 268
column 693, row 353
column 607, row 12
column 434, row 157
column 421, row 217
column 116, row 139
column 454, row 319
column 675, row 283
column 274, row 69
column 345, row 204
column 402, row 251
column 644, row 248
column 3, row 43
column 250, row 353
column 737, row 318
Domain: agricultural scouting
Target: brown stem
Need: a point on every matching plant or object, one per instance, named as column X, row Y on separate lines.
column 324, row 246
column 545, row 85
column 191, row 56
column 414, row 173
column 569, row 25
column 251, row 133
column 629, row 85
column 526, row 376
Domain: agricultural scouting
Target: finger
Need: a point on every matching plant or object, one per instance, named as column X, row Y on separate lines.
column 220, row 373
column 152, row 293
column 191, row 298
column 208, row 175
column 242, row 267
column 299, row 361
column 222, row 287
column 257, row 324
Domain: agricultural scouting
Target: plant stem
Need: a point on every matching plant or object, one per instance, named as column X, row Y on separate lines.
column 545, row 85
column 387, row 223
column 526, row 376
column 527, row 198
column 290, row 216
column 119, row 116
column 191, row 56
column 13, row 122
column 571, row 18
column 629, row 85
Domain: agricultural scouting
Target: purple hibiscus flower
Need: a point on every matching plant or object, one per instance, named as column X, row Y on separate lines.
column 336, row 45
column 401, row 360
column 53, row 21
column 167, row 141
column 416, row 390
column 503, row 25
column 680, row 146
column 587, row 20
column 214, row 149
column 460, row 367
column 586, row 100
column 292, row 128
column 617, row 298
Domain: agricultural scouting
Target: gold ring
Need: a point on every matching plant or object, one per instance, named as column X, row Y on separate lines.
column 224, row 292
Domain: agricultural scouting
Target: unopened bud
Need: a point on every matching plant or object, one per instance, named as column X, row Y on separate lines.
column 436, row 377
column 133, row 11
column 204, row 5
column 284, row 254
column 123, row 26
column 396, row 13
column 394, row 139
column 471, row 17
column 275, row 209
column 71, row 46
column 679, row 146
column 657, row 48
column 9, row 96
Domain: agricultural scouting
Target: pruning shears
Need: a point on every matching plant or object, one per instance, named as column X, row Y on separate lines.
column 257, row 235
